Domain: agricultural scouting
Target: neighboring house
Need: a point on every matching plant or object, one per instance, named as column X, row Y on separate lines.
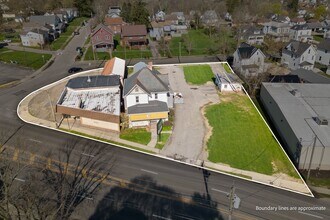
column 209, row 18
column 282, row 19
column 52, row 34
column 114, row 12
column 297, row 55
column 253, row 35
column 180, row 18
column 300, row 113
column 157, row 29
column 34, row 38
column 42, row 20
column 301, row 33
column 323, row 52
column 308, row 76
column 147, row 97
column 140, row 65
column 316, row 27
column 72, row 13
column 160, row 16
column 115, row 66
column 248, row 60
column 92, row 101
column 102, row 38
column 115, row 24
column 297, row 21
column 134, row 36
column 8, row 16
column 277, row 30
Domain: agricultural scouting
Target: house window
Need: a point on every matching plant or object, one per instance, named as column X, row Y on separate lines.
column 312, row 57
column 137, row 99
column 156, row 96
column 107, row 37
column 309, row 51
column 97, row 37
column 326, row 51
column 258, row 59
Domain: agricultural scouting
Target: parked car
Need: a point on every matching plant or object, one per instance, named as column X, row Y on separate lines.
column 75, row 69
column 78, row 49
column 76, row 33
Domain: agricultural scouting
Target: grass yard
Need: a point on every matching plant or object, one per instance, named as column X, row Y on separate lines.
column 61, row 42
column 161, row 143
column 201, row 44
column 140, row 136
column 27, row 59
column 226, row 67
column 242, row 140
column 318, row 38
column 14, row 37
column 198, row 74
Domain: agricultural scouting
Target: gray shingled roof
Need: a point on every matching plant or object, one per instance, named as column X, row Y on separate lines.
column 310, row 77
column 324, row 45
column 296, row 48
column 95, row 81
column 245, row 51
column 149, row 81
column 43, row 19
column 152, row 106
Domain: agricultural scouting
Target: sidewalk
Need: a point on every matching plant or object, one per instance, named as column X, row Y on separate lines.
column 279, row 180
column 23, row 112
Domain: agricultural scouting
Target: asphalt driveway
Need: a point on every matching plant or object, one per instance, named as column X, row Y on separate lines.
column 11, row 72
column 186, row 142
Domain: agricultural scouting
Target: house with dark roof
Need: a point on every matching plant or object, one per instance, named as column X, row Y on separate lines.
column 323, row 52
column 134, row 36
column 297, row 55
column 42, row 20
column 114, row 12
column 248, row 60
column 308, row 76
column 92, row 101
column 102, row 38
column 253, row 35
column 301, row 33
column 147, row 97
column 290, row 78
column 316, row 27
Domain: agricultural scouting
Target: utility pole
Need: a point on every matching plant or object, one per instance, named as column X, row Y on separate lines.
column 311, row 158
column 51, row 106
column 179, row 49
column 231, row 200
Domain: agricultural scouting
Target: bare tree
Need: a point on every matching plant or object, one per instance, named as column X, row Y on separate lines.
column 31, row 191
column 188, row 43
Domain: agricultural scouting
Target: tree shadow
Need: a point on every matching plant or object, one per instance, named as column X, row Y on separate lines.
column 143, row 199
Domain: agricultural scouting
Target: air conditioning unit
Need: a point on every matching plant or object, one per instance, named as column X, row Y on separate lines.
column 320, row 120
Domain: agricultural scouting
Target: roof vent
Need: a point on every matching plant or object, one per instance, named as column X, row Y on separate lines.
column 320, row 120
column 295, row 93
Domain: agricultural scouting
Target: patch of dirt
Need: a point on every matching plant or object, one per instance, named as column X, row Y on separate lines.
column 208, row 132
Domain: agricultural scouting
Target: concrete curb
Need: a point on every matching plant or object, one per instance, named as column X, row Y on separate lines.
column 155, row 155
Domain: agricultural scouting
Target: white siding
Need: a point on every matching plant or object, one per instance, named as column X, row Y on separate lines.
column 162, row 97
column 323, row 57
column 131, row 99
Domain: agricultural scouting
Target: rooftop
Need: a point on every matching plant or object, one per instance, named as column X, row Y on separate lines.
column 152, row 106
column 115, row 66
column 310, row 77
column 98, row 81
column 134, row 30
column 312, row 100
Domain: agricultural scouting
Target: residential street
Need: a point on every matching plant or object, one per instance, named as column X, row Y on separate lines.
column 175, row 178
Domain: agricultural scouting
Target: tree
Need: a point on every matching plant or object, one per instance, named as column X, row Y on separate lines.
column 231, row 5
column 188, row 43
column 293, row 5
column 320, row 12
column 59, row 189
column 84, row 7
column 139, row 13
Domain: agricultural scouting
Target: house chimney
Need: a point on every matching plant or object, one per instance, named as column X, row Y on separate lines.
column 150, row 65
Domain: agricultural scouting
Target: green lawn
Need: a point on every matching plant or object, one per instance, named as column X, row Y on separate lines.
column 241, row 139
column 198, row 74
column 14, row 37
column 140, row 136
column 226, row 67
column 164, row 137
column 196, row 40
column 318, row 38
column 27, row 59
column 61, row 42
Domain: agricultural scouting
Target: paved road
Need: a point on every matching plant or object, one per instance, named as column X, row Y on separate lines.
column 173, row 177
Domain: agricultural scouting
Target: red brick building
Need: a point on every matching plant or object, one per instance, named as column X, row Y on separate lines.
column 115, row 24
column 102, row 38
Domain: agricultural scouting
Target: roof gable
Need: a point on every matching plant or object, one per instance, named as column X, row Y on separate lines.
column 101, row 27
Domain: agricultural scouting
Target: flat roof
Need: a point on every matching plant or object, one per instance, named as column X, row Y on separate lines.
column 99, row 100
column 152, row 106
column 311, row 101
column 98, row 81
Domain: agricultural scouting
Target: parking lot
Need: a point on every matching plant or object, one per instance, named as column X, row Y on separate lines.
column 186, row 141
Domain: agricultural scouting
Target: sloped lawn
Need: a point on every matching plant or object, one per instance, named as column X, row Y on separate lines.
column 242, row 140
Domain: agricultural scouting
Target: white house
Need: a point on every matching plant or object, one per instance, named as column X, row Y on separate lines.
column 248, row 60
column 147, row 97
column 323, row 52
column 277, row 30
column 160, row 16
column 34, row 38
column 253, row 35
column 297, row 55
column 301, row 33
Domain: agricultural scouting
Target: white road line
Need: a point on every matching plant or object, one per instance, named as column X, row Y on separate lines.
column 88, row 155
column 18, row 179
column 305, row 213
column 220, row 191
column 161, row 217
column 34, row 140
column 148, row 171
